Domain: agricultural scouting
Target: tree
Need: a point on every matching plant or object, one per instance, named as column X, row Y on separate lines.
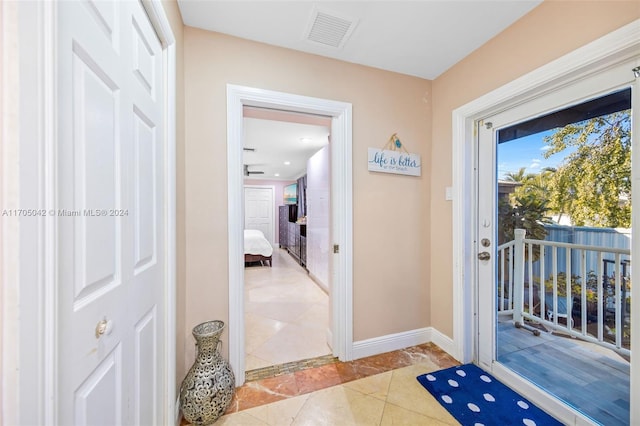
column 528, row 212
column 593, row 184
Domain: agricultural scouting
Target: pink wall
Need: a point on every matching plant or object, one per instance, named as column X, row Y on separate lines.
column 390, row 292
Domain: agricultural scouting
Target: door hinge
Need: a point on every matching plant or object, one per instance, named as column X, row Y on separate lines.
column 336, row 248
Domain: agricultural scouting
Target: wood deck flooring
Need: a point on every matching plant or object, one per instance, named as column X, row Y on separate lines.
column 581, row 374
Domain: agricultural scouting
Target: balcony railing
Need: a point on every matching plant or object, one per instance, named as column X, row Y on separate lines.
column 584, row 291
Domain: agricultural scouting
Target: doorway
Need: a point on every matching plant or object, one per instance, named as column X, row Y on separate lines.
column 559, row 293
column 469, row 330
column 286, row 309
column 340, row 280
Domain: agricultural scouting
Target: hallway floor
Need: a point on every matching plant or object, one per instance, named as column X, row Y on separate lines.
column 286, row 314
column 293, row 380
column 376, row 390
column 388, row 398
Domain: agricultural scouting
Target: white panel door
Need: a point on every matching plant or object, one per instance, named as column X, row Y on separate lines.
column 258, row 210
column 111, row 264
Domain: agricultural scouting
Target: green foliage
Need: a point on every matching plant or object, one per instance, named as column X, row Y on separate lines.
column 527, row 211
column 531, row 184
column 593, row 184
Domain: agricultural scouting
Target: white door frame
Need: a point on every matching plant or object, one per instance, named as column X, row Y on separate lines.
column 610, row 49
column 341, row 213
column 29, row 309
column 274, row 212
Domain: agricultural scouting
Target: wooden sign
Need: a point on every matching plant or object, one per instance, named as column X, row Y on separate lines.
column 394, row 158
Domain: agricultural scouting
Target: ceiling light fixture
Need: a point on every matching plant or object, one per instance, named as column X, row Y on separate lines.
column 286, row 163
column 305, row 140
column 276, row 174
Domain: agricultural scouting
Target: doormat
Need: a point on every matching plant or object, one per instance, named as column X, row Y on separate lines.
column 475, row 398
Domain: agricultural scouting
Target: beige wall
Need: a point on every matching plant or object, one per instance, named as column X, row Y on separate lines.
column 175, row 19
column 549, row 31
column 391, row 291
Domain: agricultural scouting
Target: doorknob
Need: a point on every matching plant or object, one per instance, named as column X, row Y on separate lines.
column 104, row 326
column 484, row 255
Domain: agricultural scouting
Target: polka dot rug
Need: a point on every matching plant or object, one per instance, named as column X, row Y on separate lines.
column 476, row 398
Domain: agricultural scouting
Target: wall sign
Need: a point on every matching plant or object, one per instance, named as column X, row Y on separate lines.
column 394, row 158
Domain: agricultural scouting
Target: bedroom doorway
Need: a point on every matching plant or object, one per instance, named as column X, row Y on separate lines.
column 286, row 298
column 340, row 279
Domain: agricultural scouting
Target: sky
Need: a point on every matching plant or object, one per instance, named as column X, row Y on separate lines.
column 526, row 152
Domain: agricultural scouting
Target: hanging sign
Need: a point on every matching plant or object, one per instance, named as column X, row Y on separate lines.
column 394, row 158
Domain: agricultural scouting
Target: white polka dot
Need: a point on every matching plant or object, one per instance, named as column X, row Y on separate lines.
column 523, row 404
column 489, row 397
column 431, row 378
column 485, row 378
column 447, row 399
column 453, row 383
column 528, row 422
column 461, row 373
column 473, row 407
column 478, row 424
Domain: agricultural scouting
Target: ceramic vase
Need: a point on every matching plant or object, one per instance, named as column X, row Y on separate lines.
column 207, row 390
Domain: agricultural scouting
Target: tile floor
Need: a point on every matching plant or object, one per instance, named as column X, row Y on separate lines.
column 293, row 380
column 286, row 314
column 376, row 390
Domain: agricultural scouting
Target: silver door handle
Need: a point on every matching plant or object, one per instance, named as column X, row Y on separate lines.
column 484, row 255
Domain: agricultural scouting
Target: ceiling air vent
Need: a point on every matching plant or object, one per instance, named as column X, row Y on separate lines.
column 329, row 29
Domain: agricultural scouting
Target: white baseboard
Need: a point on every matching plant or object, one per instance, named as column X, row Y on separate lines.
column 319, row 282
column 444, row 342
column 390, row 342
column 394, row 342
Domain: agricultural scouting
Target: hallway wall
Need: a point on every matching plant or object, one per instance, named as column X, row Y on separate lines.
column 391, row 294
column 546, row 33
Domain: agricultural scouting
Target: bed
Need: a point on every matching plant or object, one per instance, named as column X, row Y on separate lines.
column 256, row 247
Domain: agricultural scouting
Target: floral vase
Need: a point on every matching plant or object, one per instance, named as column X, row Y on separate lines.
column 206, row 391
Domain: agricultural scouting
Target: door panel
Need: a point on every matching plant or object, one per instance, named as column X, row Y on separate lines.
column 111, row 243
column 146, row 379
column 145, row 178
column 102, row 387
column 259, row 210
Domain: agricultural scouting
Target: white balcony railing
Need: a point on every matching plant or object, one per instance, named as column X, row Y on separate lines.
column 586, row 295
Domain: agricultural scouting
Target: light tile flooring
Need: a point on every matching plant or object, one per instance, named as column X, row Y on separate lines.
column 286, row 314
column 390, row 398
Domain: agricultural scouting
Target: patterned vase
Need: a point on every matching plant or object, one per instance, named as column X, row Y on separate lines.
column 207, row 389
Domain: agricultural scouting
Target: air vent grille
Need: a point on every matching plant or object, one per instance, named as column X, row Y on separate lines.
column 329, row 29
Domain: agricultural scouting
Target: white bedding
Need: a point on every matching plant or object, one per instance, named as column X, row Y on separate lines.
column 256, row 243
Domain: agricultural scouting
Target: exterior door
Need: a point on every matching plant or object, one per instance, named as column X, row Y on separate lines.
column 111, row 241
column 258, row 210
column 485, row 251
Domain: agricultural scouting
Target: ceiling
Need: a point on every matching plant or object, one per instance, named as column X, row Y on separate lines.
column 417, row 38
column 281, row 148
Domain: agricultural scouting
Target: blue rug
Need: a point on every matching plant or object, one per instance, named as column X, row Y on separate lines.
column 475, row 398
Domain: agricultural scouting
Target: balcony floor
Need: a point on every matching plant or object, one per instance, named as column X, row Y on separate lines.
column 590, row 378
